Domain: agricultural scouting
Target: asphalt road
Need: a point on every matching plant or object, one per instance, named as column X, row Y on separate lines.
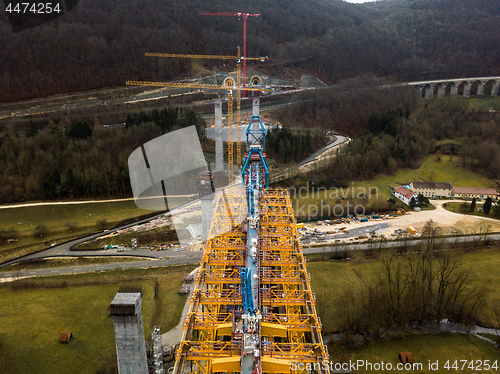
column 396, row 243
column 64, row 249
column 340, row 139
column 194, row 257
column 178, row 258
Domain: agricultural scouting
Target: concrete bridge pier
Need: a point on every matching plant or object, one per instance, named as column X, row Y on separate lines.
column 440, row 90
column 429, row 89
column 453, row 89
column 467, row 88
column 219, row 147
column 207, row 214
column 494, row 88
column 480, row 89
column 129, row 333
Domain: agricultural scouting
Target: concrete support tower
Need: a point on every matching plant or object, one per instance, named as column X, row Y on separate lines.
column 207, row 214
column 129, row 333
column 219, row 149
column 255, row 107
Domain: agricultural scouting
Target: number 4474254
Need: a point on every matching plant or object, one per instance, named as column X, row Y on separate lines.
column 39, row 8
column 471, row 364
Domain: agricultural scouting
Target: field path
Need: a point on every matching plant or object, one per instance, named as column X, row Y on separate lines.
column 83, row 202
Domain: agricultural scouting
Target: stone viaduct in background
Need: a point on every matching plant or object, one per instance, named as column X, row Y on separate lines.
column 461, row 86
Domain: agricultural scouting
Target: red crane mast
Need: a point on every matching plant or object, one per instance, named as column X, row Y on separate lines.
column 244, row 16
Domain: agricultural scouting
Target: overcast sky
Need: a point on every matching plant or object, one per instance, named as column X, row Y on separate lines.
column 358, row 1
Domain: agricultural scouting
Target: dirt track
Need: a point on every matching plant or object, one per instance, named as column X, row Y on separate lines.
column 447, row 221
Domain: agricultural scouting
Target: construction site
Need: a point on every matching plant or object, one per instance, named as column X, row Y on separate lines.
column 252, row 309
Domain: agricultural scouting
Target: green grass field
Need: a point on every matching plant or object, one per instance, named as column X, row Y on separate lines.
column 484, row 103
column 437, row 168
column 51, row 263
column 329, row 279
column 426, row 349
column 32, row 317
column 455, row 207
column 55, row 217
column 89, row 218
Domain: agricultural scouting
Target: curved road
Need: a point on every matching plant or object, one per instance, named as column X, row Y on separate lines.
column 340, row 139
column 194, row 257
column 64, row 249
column 178, row 258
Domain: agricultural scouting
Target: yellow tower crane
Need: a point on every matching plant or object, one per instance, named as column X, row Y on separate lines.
column 229, row 83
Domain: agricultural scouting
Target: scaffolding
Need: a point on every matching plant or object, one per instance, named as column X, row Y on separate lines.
column 290, row 330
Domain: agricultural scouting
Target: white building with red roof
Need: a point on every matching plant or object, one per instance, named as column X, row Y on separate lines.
column 405, row 194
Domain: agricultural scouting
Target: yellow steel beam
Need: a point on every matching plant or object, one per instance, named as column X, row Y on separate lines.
column 226, row 364
column 191, row 85
column 274, row 365
column 212, row 57
column 176, row 55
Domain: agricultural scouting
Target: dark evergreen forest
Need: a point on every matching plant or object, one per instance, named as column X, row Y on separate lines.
column 287, row 147
column 102, row 42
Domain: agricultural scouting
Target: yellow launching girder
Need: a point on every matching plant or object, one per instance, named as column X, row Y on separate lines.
column 223, row 297
column 284, row 276
column 210, row 349
column 229, row 212
column 200, row 86
column 274, row 297
column 222, row 276
column 301, row 352
column 300, row 322
column 217, row 258
column 286, row 299
column 212, row 57
column 176, row 55
column 274, row 365
column 226, row 364
column 206, row 350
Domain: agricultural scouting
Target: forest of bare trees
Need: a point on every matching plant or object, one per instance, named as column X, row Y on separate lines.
column 75, row 159
column 389, row 139
column 430, row 283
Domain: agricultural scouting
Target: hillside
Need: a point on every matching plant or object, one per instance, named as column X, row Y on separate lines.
column 102, row 43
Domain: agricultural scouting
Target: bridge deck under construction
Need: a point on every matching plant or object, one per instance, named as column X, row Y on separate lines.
column 290, row 331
